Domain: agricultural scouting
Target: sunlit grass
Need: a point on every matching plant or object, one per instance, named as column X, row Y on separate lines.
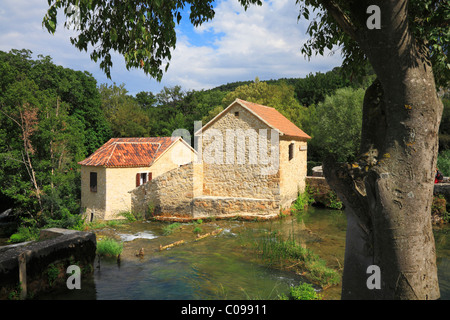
column 109, row 247
column 287, row 253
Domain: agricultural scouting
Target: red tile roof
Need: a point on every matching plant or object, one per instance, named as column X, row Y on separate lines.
column 274, row 119
column 128, row 152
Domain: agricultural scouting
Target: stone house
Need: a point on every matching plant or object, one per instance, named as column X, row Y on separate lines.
column 121, row 165
column 251, row 161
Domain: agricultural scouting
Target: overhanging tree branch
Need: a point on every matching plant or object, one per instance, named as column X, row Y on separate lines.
column 341, row 18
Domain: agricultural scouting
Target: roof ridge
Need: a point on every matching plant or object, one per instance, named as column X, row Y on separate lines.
column 258, row 104
column 154, row 155
column 111, row 153
column 136, row 142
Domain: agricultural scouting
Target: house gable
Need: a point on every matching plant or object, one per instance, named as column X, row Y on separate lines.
column 267, row 115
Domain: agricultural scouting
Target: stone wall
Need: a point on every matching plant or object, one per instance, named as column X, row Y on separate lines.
column 93, row 204
column 292, row 171
column 320, row 190
column 233, row 166
column 170, row 193
column 178, row 193
column 318, row 183
column 209, row 206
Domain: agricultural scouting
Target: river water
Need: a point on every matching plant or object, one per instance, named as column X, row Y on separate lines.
column 223, row 266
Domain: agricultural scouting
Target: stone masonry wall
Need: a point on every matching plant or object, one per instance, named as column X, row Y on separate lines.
column 292, row 171
column 93, row 204
column 207, row 206
column 177, row 193
column 169, row 193
column 233, row 166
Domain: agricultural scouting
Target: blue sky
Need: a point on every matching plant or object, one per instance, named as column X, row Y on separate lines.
column 237, row 45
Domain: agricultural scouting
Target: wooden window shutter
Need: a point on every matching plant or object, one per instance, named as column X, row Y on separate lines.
column 291, row 151
column 149, row 176
column 138, row 179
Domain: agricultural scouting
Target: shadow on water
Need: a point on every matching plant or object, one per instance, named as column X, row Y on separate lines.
column 224, row 266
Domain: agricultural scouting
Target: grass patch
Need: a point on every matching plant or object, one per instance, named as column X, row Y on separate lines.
column 304, row 200
column 169, row 229
column 109, row 247
column 132, row 216
column 197, row 230
column 304, row 291
column 99, row 224
column 288, row 254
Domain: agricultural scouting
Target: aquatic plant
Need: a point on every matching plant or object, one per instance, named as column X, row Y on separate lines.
column 171, row 228
column 197, row 230
column 289, row 254
column 109, row 247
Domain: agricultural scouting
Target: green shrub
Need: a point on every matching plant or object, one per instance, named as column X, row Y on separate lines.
column 109, row 247
column 304, row 291
column 24, row 234
column 129, row 216
column 304, row 200
column 64, row 219
column 132, row 216
column 333, row 201
column 52, row 274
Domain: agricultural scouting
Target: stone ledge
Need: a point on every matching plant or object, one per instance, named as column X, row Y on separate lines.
column 208, row 206
column 231, row 198
column 63, row 246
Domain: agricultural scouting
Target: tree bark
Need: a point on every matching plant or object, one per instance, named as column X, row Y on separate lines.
column 388, row 193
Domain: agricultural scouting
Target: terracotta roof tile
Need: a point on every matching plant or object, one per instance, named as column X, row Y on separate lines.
column 275, row 119
column 128, row 152
column 270, row 116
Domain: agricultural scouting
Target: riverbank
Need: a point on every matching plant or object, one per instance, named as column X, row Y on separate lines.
column 226, row 265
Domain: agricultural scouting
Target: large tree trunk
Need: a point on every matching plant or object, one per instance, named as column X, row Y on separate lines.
column 388, row 194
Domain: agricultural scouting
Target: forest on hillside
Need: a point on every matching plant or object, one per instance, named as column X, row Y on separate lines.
column 52, row 117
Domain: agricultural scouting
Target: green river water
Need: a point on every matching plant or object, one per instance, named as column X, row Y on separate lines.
column 224, row 266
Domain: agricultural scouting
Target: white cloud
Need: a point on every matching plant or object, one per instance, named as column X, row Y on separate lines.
column 236, row 45
column 264, row 41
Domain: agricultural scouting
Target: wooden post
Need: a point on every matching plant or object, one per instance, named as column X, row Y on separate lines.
column 23, row 275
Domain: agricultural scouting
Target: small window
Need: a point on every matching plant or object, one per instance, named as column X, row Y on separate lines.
column 236, row 114
column 93, row 181
column 291, row 151
column 142, row 178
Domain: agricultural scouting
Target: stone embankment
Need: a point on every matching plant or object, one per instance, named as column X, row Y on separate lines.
column 441, row 200
column 33, row 267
